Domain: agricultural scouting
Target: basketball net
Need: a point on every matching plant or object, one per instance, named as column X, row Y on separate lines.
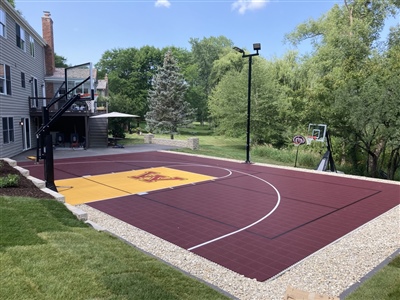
column 310, row 138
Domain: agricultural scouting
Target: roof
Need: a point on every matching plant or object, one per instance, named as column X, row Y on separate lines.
column 78, row 73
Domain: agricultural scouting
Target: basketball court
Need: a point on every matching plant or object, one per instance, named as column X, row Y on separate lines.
column 252, row 219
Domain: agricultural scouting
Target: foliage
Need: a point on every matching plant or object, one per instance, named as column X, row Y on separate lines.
column 11, row 180
column 204, row 53
column 60, row 61
column 129, row 74
column 228, row 104
column 41, row 237
column 167, row 106
column 348, row 81
column 12, row 2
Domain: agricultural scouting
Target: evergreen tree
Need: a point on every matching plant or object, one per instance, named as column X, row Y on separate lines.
column 167, row 106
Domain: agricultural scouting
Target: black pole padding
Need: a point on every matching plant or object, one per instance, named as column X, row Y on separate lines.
column 49, row 164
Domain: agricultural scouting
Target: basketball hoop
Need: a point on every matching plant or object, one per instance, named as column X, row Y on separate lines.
column 87, row 96
column 310, row 138
column 298, row 140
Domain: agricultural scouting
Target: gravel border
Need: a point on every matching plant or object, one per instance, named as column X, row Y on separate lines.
column 330, row 271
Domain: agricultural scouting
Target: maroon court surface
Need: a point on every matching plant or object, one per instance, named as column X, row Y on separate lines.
column 254, row 220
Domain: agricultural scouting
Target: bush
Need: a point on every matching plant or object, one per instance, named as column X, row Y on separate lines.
column 274, row 154
column 11, row 180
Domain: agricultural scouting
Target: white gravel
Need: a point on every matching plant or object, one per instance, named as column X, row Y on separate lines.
column 329, row 271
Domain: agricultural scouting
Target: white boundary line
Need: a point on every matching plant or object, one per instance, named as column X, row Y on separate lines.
column 179, row 164
column 248, row 226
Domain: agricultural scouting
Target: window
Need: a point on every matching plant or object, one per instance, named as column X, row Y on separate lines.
column 34, row 92
column 20, row 37
column 5, row 79
column 8, row 130
column 32, row 46
column 22, row 79
column 2, row 23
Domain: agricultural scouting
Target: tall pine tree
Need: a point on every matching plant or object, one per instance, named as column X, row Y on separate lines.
column 167, row 106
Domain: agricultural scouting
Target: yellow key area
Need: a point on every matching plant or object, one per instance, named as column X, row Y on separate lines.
column 100, row 187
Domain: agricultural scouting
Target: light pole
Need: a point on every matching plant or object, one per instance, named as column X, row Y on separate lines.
column 256, row 47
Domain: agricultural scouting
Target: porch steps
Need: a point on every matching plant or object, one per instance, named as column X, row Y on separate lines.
column 98, row 136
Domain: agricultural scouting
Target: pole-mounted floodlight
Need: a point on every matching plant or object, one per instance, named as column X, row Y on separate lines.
column 238, row 49
column 256, row 47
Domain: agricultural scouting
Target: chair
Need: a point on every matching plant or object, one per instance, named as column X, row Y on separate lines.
column 60, row 139
column 74, row 140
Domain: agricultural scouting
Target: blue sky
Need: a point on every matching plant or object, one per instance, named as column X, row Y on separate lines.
column 85, row 29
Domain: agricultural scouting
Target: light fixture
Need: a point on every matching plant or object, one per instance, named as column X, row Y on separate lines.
column 238, row 49
column 256, row 47
column 21, row 123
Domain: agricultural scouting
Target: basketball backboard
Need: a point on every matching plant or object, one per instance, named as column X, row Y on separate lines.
column 79, row 80
column 316, row 132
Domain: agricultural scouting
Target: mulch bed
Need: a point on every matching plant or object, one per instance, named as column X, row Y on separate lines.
column 25, row 188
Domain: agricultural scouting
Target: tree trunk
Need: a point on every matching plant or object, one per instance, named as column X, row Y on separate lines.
column 372, row 165
column 393, row 164
column 373, row 158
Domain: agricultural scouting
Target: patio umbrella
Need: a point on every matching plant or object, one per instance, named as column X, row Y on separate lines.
column 114, row 115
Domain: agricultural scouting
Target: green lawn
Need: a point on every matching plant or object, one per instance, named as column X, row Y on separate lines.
column 46, row 253
column 235, row 148
column 385, row 284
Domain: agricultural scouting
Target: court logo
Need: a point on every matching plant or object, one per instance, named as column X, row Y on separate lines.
column 151, row 176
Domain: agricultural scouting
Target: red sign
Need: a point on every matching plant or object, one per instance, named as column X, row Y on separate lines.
column 299, row 140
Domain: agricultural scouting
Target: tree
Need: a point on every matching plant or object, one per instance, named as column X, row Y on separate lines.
column 60, row 61
column 167, row 106
column 204, row 53
column 228, row 104
column 130, row 72
column 346, row 86
column 12, row 2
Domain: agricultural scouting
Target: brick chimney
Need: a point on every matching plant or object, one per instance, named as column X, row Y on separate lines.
column 47, row 32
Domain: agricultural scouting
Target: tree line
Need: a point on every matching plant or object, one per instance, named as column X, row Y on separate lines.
column 349, row 81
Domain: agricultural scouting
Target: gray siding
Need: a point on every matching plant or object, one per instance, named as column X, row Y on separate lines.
column 16, row 105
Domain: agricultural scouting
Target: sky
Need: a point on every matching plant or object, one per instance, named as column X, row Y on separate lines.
column 85, row 29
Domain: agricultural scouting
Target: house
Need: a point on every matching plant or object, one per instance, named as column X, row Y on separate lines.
column 29, row 80
column 102, row 87
column 22, row 75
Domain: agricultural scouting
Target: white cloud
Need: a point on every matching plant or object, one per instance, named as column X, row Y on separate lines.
column 243, row 5
column 160, row 3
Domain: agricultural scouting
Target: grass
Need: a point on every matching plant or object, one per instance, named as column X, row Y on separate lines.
column 385, row 284
column 235, row 148
column 46, row 253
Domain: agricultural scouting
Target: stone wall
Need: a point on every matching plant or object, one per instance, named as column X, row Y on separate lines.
column 191, row 143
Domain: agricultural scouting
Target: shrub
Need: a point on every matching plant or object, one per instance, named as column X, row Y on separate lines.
column 11, row 180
